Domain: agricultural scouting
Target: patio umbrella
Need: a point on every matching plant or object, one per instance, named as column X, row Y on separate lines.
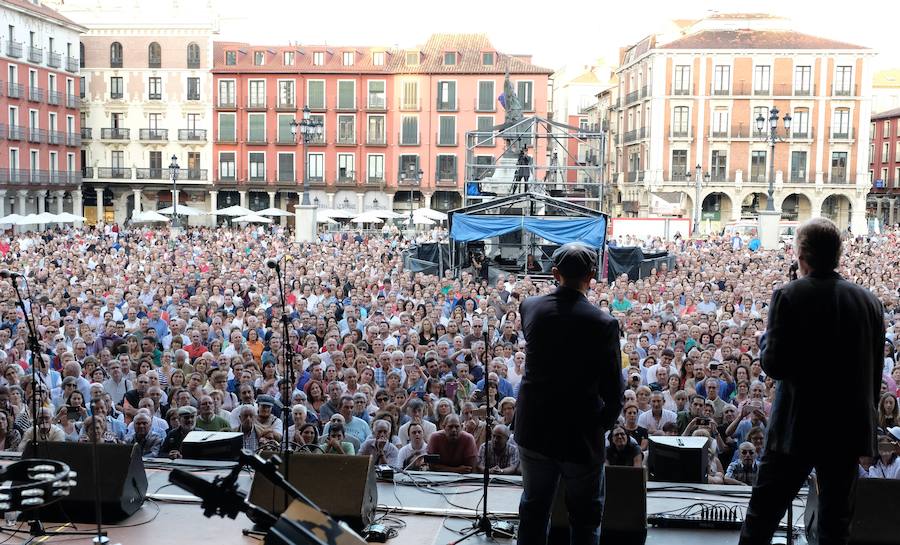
column 430, row 214
column 148, row 217
column 386, row 214
column 324, row 219
column 367, row 217
column 252, row 218
column 335, row 213
column 235, row 210
column 419, row 220
column 183, row 210
column 45, row 217
column 67, row 217
column 274, row 212
column 12, row 219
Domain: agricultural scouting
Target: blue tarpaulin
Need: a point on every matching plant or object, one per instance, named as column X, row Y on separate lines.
column 591, row 231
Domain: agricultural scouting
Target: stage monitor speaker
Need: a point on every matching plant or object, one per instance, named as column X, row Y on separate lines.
column 123, row 481
column 874, row 519
column 212, row 445
column 678, row 459
column 343, row 486
column 624, row 513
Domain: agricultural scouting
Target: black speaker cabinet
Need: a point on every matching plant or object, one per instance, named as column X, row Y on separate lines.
column 123, row 481
column 874, row 520
column 343, row 486
column 624, row 513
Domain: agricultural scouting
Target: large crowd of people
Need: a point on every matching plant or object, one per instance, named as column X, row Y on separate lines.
column 144, row 337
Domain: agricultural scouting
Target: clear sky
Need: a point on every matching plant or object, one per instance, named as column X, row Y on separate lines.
column 556, row 32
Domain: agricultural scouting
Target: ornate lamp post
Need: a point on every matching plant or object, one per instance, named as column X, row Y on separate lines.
column 308, row 129
column 173, row 172
column 768, row 219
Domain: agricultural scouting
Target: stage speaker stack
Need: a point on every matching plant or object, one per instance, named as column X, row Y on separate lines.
column 874, row 520
column 624, row 513
column 343, row 486
column 123, row 481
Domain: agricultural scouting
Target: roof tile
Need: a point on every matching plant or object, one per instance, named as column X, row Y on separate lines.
column 755, row 39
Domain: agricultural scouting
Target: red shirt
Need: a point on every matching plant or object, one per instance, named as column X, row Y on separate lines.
column 461, row 452
column 195, row 351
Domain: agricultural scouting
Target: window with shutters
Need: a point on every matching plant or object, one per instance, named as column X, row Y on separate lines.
column 486, row 96
column 320, row 119
column 447, row 130
column 256, row 128
column 485, row 125
column 412, row 58
column 758, row 166
column 226, row 127
column 679, row 165
column 315, row 166
column 719, row 166
column 346, row 172
column 286, row 94
column 346, row 129
column 446, row 168
column 227, row 96
column 155, row 88
column 800, row 123
column 487, row 58
column 376, row 134
column 346, row 95
column 840, row 127
column 257, row 166
column 315, row 94
column 839, row 167
column 377, row 99
column 798, row 166
column 286, row 167
column 409, row 130
column 230, row 58
column 375, row 168
column 681, row 121
column 525, row 90
column 409, row 169
column 257, row 93
column 284, row 129
column 410, row 97
column 446, row 96
column 449, row 58
column 226, row 165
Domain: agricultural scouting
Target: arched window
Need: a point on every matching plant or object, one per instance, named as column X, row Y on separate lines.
column 193, row 55
column 81, row 54
column 115, row 55
column 154, row 54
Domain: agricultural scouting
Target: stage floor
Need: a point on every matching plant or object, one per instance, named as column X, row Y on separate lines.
column 433, row 513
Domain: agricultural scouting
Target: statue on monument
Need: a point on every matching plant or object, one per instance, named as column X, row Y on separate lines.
column 512, row 104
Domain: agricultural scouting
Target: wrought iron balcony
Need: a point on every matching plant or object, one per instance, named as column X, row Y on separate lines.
column 35, row 94
column 192, row 135
column 376, row 140
column 35, row 54
column 73, row 139
column 115, row 133
column 157, row 173
column 71, row 64
column 54, row 60
column 226, row 102
column 71, row 101
column 16, row 132
column 85, row 133
column 37, row 136
column 14, row 90
column 54, row 97
column 14, row 49
column 116, row 173
column 193, row 174
column 154, row 134
column 87, row 172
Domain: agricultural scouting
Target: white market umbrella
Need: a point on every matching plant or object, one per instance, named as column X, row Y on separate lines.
column 335, row 213
column 183, row 210
column 367, row 217
column 324, row 219
column 386, row 214
column 45, row 217
column 67, row 217
column 235, row 210
column 148, row 217
column 274, row 212
column 430, row 214
column 12, row 219
column 252, row 218
column 419, row 220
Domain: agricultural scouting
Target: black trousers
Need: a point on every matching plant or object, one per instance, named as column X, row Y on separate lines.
column 780, row 478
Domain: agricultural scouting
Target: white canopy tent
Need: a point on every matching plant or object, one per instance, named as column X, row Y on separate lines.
column 386, row 214
column 274, row 212
column 67, row 217
column 235, row 210
column 335, row 213
column 430, row 214
column 419, row 220
column 149, row 216
column 252, row 218
column 13, row 219
column 367, row 217
column 183, row 210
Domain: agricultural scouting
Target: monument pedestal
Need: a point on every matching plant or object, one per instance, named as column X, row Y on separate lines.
column 305, row 226
column 768, row 229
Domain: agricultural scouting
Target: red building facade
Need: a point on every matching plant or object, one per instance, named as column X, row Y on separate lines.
column 884, row 166
column 387, row 114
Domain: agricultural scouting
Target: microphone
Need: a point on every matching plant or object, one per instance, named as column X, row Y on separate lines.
column 217, row 498
column 273, row 262
column 9, row 274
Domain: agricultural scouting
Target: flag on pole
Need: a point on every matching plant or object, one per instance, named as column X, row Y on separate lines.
column 502, row 100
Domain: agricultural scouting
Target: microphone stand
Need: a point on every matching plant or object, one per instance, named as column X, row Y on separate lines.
column 289, row 379
column 482, row 524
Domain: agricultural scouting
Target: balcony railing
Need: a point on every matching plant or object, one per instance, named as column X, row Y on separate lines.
column 347, row 178
column 415, row 104
column 35, row 94
column 680, row 175
column 804, row 91
column 843, row 91
column 87, row 172
column 154, row 134
column 346, row 139
column 15, row 132
column 73, row 139
column 227, row 102
column 193, row 174
column 635, row 134
column 256, row 103
column 681, row 133
column 376, row 139
column 55, row 137
column 288, row 104
column 258, row 175
column 54, row 98
column 377, row 102
column 116, row 173
column 838, row 176
column 256, row 139
column 845, row 134
column 39, row 177
column 682, row 91
column 115, row 133
column 192, row 135
column 632, row 97
column 71, row 101
column 14, row 90
column 375, row 179
column 37, row 136
column 14, row 49
column 54, row 60
column 153, row 173
column 71, row 64
column 85, row 133
column 635, row 176
column 35, row 54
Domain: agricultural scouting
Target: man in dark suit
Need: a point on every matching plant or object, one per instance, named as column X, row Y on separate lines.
column 569, row 397
column 821, row 328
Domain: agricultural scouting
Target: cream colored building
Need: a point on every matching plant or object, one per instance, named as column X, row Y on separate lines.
column 147, row 95
column 693, row 99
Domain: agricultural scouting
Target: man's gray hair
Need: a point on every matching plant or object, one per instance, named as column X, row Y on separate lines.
column 819, row 244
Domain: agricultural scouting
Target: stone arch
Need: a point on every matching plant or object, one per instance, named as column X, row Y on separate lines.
column 715, row 211
column 346, row 200
column 795, row 207
column 837, row 207
column 752, row 202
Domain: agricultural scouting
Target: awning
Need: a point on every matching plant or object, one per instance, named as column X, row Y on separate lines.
column 591, row 231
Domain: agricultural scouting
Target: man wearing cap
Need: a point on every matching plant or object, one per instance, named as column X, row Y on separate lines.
column 171, row 446
column 265, row 419
column 564, row 328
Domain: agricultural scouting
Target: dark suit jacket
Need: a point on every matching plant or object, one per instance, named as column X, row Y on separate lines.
column 825, row 346
column 571, row 392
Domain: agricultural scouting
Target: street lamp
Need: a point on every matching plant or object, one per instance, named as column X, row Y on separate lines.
column 308, row 129
column 173, row 171
column 413, row 176
column 771, row 136
column 697, row 203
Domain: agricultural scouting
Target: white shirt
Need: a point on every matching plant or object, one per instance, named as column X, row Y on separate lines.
column 650, row 422
column 427, row 427
column 881, row 471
